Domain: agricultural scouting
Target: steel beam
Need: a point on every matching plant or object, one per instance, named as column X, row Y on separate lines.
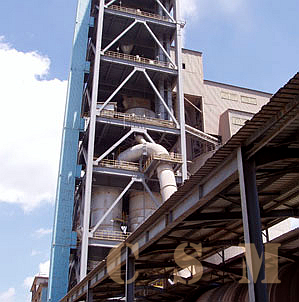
column 170, row 25
column 118, row 172
column 201, row 135
column 156, row 226
column 129, row 124
column 166, row 11
column 135, row 64
column 223, row 216
column 149, row 137
column 271, row 123
column 252, row 227
column 91, row 140
column 154, row 199
column 130, row 273
column 119, row 36
column 90, row 295
column 114, row 146
column 109, row 3
column 113, row 205
column 180, row 88
column 117, row 90
column 160, row 45
column 161, row 98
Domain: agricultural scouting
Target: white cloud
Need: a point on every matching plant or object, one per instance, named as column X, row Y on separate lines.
column 44, row 268
column 35, row 253
column 8, row 296
column 28, row 282
column 230, row 6
column 30, row 127
column 234, row 10
column 189, row 8
column 42, row 232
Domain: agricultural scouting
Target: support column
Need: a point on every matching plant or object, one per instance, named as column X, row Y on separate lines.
column 89, row 297
column 180, row 89
column 252, row 226
column 91, row 140
column 162, row 111
column 130, row 273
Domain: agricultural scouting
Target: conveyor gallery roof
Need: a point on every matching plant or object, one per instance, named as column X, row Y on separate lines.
column 207, row 208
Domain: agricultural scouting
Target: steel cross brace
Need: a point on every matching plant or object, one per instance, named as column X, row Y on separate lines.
column 151, row 33
column 118, row 89
column 96, row 162
column 166, row 11
column 152, row 85
column 114, row 204
column 109, row 3
column 160, row 45
column 120, row 35
column 161, row 98
column 125, row 190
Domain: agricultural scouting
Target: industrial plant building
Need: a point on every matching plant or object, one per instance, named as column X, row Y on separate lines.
column 164, row 175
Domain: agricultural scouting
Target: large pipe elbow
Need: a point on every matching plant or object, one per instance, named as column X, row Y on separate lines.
column 164, row 170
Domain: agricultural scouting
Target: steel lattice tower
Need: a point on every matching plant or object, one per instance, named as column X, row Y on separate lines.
column 125, row 81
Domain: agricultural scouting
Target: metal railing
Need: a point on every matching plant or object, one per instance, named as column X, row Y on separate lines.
column 118, row 164
column 111, row 235
column 171, row 158
column 137, row 59
column 138, row 12
column 131, row 117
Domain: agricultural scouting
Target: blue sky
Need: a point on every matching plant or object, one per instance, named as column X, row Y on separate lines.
column 251, row 43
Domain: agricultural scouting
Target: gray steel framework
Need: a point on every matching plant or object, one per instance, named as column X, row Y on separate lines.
column 266, row 184
column 99, row 53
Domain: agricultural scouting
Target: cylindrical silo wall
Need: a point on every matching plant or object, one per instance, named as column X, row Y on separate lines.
column 287, row 290
column 101, row 200
column 141, row 207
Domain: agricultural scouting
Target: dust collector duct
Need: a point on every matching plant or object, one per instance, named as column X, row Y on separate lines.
column 164, row 171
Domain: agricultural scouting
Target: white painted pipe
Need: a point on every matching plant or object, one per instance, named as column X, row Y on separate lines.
column 164, row 171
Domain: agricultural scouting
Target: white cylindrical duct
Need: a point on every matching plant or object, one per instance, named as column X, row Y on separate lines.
column 101, row 200
column 165, row 172
column 167, row 180
column 141, row 207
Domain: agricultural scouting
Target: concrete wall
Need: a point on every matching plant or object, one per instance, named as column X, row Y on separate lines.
column 231, row 121
column 193, row 72
column 218, row 98
column 225, row 107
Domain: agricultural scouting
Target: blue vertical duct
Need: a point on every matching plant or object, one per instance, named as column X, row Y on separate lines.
column 63, row 238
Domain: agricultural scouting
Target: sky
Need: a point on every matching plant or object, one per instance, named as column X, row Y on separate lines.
column 249, row 43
